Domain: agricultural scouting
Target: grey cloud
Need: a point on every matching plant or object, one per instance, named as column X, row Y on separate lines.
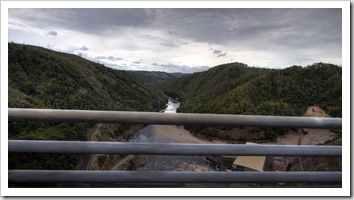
column 171, row 32
column 284, row 31
column 165, row 41
column 259, row 27
column 89, row 20
column 52, row 34
column 254, row 28
column 171, row 68
column 100, row 57
column 222, row 55
column 18, row 25
column 218, row 53
column 174, row 43
column 138, row 62
column 152, row 37
column 84, row 48
column 112, row 58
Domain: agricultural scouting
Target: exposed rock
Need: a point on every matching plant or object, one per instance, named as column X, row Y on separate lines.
column 315, row 111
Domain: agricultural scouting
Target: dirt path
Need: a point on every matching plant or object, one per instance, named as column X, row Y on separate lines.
column 122, row 161
column 95, row 130
column 85, row 165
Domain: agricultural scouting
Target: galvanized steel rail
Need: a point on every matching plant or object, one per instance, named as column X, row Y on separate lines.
column 31, row 146
column 76, row 176
column 54, row 115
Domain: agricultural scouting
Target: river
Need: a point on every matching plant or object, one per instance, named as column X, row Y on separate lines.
column 162, row 134
column 170, row 134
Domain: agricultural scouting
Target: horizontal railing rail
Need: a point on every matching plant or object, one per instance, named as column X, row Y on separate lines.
column 55, row 115
column 77, row 176
column 135, row 148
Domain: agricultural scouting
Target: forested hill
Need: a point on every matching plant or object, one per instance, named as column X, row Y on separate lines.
column 236, row 88
column 156, row 77
column 41, row 78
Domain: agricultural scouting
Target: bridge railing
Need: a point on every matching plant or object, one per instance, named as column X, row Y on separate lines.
column 86, row 147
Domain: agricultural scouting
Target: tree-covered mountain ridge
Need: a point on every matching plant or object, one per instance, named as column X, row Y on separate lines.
column 42, row 78
column 156, row 77
column 236, row 88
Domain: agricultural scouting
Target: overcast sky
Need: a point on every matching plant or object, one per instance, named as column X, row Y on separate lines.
column 184, row 40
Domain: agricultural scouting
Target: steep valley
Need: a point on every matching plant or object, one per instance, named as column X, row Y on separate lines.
column 42, row 78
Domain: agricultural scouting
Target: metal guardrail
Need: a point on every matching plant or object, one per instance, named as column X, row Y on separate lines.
column 75, row 176
column 48, row 115
column 89, row 116
column 31, row 146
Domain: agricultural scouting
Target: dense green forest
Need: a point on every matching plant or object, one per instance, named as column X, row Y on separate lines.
column 236, row 88
column 154, row 78
column 42, row 78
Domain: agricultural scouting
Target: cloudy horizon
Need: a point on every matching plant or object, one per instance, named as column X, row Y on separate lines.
column 184, row 40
